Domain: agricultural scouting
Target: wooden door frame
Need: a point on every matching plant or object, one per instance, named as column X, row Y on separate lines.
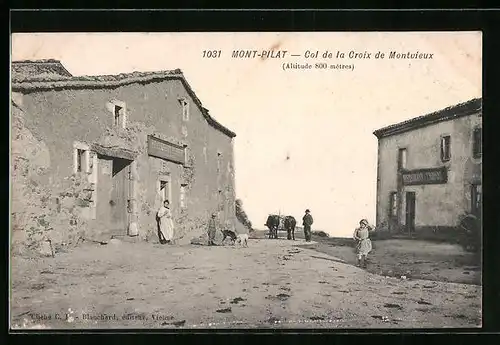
column 166, row 178
column 410, row 221
column 473, row 199
column 127, row 186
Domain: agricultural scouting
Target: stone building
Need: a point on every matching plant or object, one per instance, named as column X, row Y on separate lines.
column 107, row 150
column 429, row 170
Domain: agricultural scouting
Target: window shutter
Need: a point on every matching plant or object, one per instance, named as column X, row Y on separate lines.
column 448, row 147
column 442, row 149
column 477, row 142
column 183, row 196
column 393, row 204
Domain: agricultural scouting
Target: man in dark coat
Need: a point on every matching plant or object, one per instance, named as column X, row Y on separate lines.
column 212, row 229
column 307, row 221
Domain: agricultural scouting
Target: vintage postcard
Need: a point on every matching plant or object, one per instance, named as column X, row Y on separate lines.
column 246, row 180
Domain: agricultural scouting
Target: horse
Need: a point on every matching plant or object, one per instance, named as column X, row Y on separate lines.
column 290, row 224
column 272, row 223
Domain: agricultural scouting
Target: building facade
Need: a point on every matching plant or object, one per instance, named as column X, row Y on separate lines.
column 126, row 143
column 429, row 170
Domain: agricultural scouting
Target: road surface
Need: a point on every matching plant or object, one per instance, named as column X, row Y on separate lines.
column 270, row 284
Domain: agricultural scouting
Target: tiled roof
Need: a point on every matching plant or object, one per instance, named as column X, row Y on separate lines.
column 462, row 109
column 38, row 69
column 40, row 82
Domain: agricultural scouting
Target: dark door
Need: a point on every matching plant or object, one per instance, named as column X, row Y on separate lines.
column 120, row 195
column 104, row 192
column 410, row 211
column 476, row 200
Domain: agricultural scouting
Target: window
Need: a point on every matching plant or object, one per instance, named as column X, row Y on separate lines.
column 476, row 200
column 182, row 199
column 219, row 159
column 477, row 149
column 82, row 162
column 119, row 113
column 445, row 148
column 393, row 206
column 402, row 159
column 185, row 109
column 80, row 156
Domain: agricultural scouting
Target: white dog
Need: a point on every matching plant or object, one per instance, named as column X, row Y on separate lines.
column 242, row 239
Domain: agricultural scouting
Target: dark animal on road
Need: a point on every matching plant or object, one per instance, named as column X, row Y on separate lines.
column 230, row 234
column 272, row 223
column 290, row 224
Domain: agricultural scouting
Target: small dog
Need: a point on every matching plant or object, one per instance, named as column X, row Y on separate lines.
column 230, row 234
column 242, row 239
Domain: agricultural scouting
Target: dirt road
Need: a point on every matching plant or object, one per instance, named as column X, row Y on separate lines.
column 271, row 284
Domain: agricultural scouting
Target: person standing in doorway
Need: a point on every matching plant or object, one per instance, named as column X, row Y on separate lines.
column 212, row 228
column 165, row 223
column 307, row 221
column 363, row 242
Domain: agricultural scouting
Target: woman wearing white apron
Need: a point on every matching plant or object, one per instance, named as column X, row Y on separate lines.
column 166, row 224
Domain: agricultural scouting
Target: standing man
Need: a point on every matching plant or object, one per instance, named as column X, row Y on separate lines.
column 212, row 228
column 307, row 221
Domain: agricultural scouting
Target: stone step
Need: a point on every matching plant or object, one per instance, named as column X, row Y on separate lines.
column 126, row 238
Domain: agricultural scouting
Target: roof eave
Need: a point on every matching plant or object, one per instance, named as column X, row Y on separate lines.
column 445, row 114
column 222, row 128
column 31, row 85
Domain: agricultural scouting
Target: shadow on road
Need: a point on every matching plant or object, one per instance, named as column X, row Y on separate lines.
column 406, row 258
column 329, row 259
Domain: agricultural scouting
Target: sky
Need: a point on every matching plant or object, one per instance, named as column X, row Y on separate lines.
column 304, row 137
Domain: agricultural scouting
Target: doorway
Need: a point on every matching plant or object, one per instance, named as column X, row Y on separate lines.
column 410, row 212
column 120, row 197
column 164, row 189
column 476, row 200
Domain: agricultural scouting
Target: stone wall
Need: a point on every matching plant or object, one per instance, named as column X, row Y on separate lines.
column 54, row 119
column 41, row 210
column 423, row 151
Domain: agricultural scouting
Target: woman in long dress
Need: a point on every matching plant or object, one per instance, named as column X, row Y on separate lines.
column 166, row 224
column 364, row 244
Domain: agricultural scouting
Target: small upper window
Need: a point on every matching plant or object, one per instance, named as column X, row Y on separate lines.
column 445, row 148
column 402, row 159
column 477, row 149
column 118, row 115
column 118, row 110
column 185, row 109
column 219, row 161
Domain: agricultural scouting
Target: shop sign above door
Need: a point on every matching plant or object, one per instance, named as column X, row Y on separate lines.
column 425, row 176
column 166, row 150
